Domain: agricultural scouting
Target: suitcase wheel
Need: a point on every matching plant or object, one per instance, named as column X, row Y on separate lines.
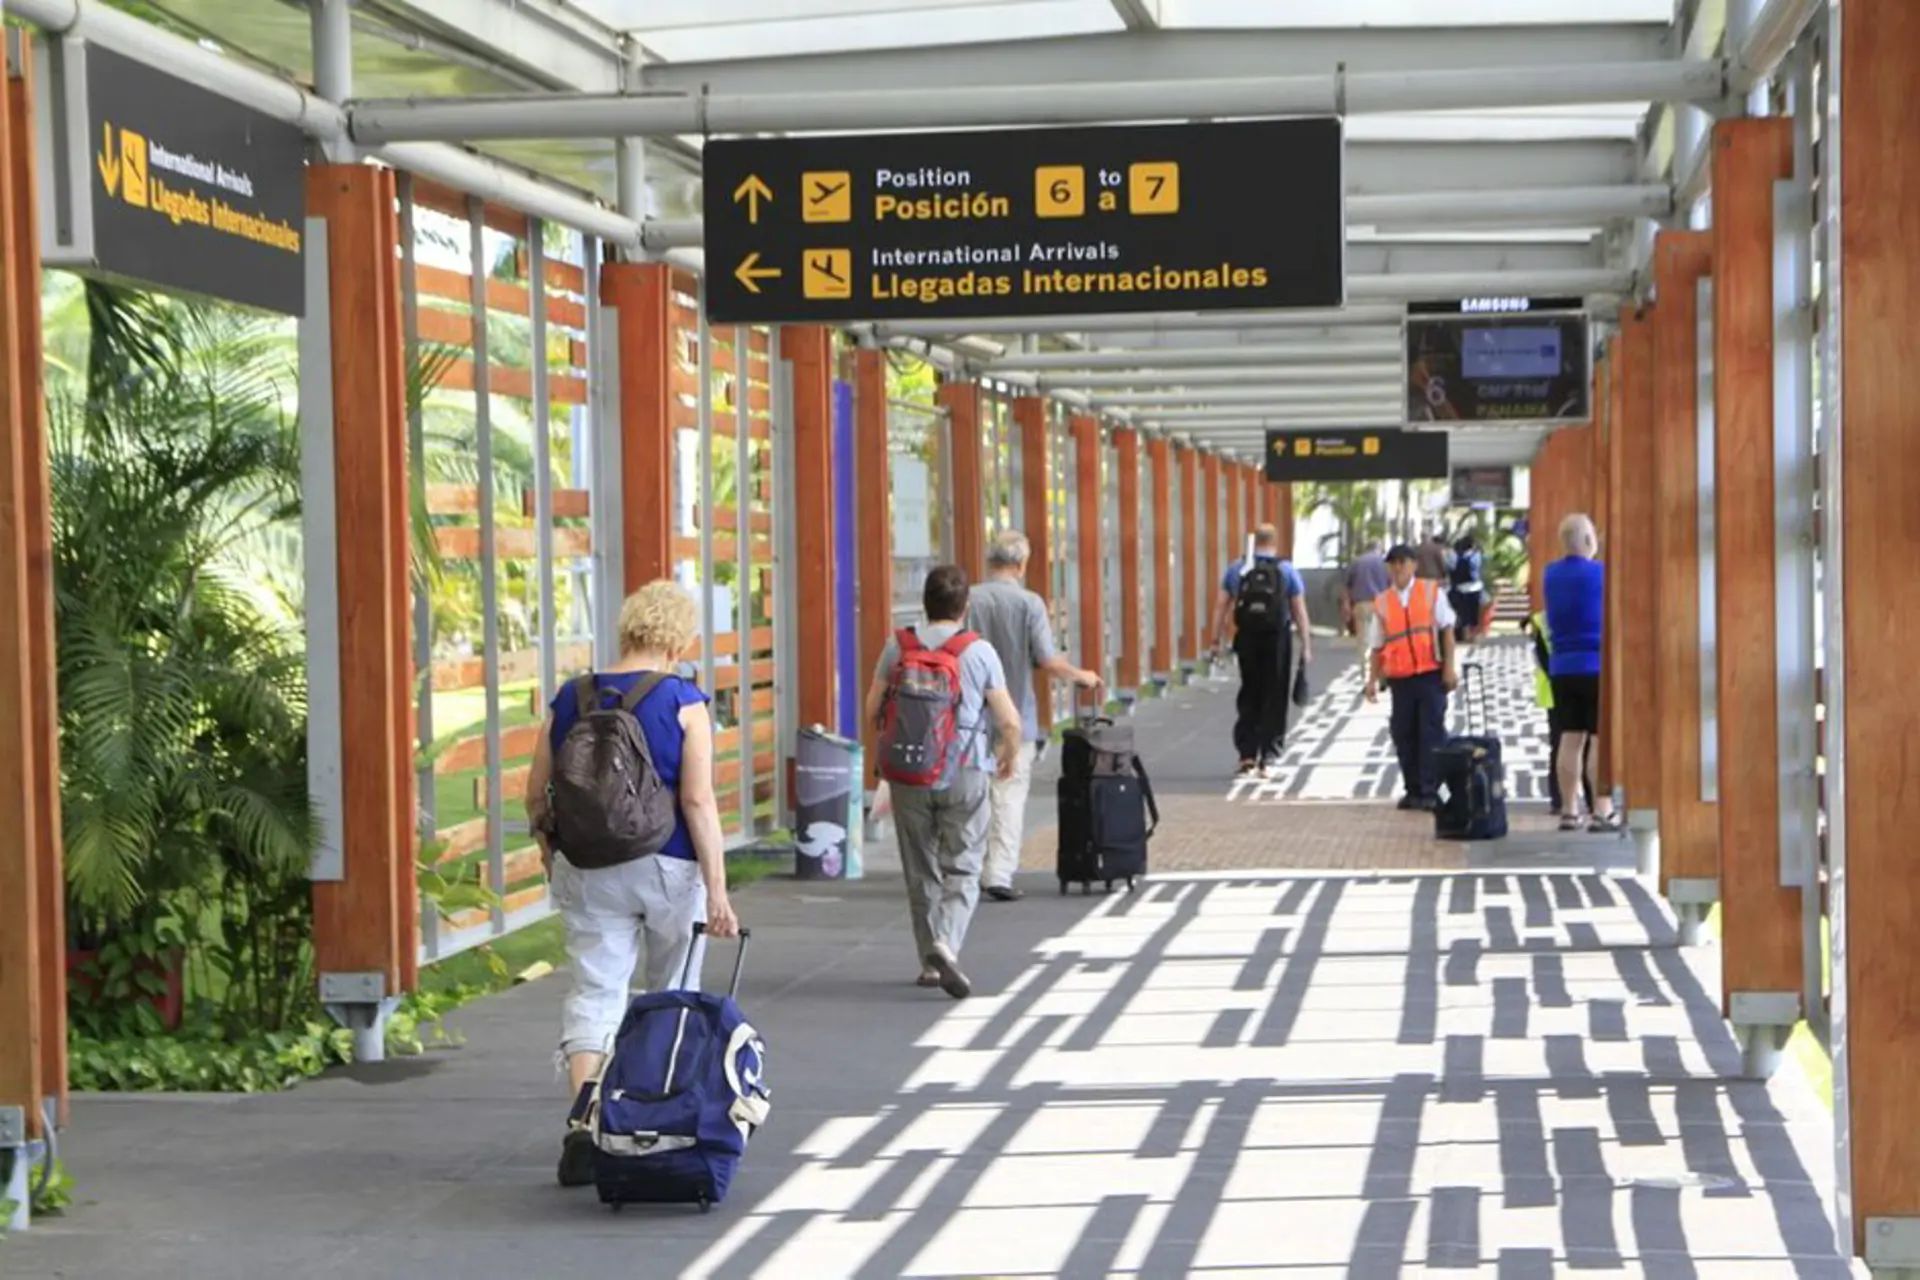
column 1063, row 888
column 617, row 1205
column 1086, row 888
column 1108, row 888
column 1129, row 884
column 706, row 1205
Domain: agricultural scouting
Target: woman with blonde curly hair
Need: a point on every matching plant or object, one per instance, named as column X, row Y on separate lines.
column 646, row 897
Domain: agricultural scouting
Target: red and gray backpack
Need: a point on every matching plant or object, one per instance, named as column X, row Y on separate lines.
column 921, row 720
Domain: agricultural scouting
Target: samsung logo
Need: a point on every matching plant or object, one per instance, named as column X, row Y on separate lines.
column 1484, row 306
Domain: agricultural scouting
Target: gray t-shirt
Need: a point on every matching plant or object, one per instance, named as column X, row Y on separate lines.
column 979, row 672
column 1014, row 621
column 1368, row 576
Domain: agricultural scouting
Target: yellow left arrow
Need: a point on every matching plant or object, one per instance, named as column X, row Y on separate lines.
column 750, row 273
column 753, row 191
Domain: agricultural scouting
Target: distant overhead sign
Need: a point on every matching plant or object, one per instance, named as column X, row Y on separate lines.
column 1483, row 486
column 1340, row 455
column 1494, row 306
column 166, row 185
column 1025, row 222
column 1506, row 368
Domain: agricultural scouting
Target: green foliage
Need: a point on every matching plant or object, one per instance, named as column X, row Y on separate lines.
column 52, row 1191
column 1357, row 512
column 204, row 1062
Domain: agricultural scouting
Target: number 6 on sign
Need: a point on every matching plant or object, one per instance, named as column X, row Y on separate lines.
column 1060, row 191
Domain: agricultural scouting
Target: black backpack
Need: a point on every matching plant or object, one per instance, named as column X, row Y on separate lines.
column 606, row 803
column 1260, row 604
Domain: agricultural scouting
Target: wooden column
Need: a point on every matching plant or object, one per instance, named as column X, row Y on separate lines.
column 1632, row 567
column 641, row 295
column 1193, row 571
column 27, row 951
column 1250, row 491
column 1280, row 515
column 1238, row 523
column 1126, row 448
column 1602, row 512
column 43, row 670
column 1160, row 453
column 365, row 921
column 1879, row 525
column 961, row 400
column 1210, row 522
column 1760, row 919
column 1689, row 827
column 874, row 481
column 1092, row 641
column 809, row 349
column 1541, row 502
column 1030, row 412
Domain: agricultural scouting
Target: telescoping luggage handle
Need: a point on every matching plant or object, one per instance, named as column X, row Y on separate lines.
column 1473, row 683
column 739, row 959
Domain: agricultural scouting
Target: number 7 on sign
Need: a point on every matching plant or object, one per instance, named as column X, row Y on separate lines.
column 1153, row 187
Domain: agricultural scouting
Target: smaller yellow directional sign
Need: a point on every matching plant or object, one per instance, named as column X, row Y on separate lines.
column 752, row 192
column 1060, row 190
column 828, row 273
column 827, row 197
column 1154, row 187
column 750, row 273
column 1346, row 454
column 1370, row 446
column 133, row 168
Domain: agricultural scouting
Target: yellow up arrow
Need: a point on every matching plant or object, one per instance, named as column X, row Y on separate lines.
column 108, row 159
column 750, row 272
column 753, row 191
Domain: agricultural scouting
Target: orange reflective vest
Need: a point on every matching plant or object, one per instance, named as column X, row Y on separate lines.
column 1411, row 643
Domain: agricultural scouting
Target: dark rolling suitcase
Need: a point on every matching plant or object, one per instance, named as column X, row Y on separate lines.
column 1473, row 781
column 1107, row 811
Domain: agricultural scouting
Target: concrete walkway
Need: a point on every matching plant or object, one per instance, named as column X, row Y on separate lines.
column 1245, row 1072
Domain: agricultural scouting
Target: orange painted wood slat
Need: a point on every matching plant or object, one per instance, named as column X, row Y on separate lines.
column 1210, row 520
column 961, row 400
column 1761, row 930
column 568, row 504
column 461, row 839
column 640, row 295
column 1089, row 495
column 513, row 786
column 1633, row 562
column 521, row 664
column 1879, row 459
column 513, row 383
column 759, row 640
column 873, row 482
column 502, row 295
column 455, row 204
column 471, row 753
column 1164, row 609
column 809, row 349
column 727, row 520
column 1127, row 464
column 463, row 542
column 1603, row 525
column 358, row 923
column 1689, row 827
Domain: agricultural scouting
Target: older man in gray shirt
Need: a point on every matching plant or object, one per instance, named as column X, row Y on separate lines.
column 1014, row 621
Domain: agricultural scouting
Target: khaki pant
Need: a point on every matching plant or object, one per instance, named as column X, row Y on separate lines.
column 1007, row 828
column 943, row 836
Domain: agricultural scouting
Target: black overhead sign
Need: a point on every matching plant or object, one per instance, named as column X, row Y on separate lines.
column 1022, row 222
column 1356, row 455
column 189, row 191
column 1494, row 306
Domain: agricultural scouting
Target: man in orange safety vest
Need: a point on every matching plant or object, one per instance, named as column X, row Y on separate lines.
column 1410, row 636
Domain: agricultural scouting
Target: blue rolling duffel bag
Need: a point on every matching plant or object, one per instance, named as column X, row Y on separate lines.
column 1473, row 782
column 681, row 1095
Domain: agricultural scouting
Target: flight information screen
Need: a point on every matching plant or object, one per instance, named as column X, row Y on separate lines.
column 1530, row 368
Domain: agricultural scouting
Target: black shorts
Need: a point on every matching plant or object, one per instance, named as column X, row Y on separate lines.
column 1576, row 700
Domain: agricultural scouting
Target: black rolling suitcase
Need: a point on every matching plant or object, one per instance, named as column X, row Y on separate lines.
column 1473, row 782
column 1107, row 810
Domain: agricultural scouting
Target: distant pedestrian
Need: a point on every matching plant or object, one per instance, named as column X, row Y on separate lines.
column 1575, row 587
column 1266, row 601
column 1466, row 591
column 1365, row 578
column 947, row 728
column 1410, row 640
column 1433, row 558
column 1543, row 694
column 1014, row 621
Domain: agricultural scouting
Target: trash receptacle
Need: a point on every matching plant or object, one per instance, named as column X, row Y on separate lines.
column 828, row 772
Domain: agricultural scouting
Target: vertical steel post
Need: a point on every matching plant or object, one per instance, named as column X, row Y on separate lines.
column 743, row 568
column 427, row 803
column 331, row 26
column 542, row 459
column 608, row 514
column 489, row 562
column 708, row 617
column 786, row 607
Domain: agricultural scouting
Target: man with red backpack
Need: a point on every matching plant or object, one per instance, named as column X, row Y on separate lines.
column 947, row 728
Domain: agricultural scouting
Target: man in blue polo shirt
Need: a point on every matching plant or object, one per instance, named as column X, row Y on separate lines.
column 1266, row 600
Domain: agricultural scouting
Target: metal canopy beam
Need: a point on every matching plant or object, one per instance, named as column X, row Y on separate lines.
column 1389, row 390
column 1390, row 167
column 708, row 113
column 1169, row 322
column 644, row 17
column 1323, row 353
column 549, row 41
column 1139, row 15
column 1145, row 379
column 1178, row 54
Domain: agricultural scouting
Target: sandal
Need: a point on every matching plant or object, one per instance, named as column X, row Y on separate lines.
column 928, row 978
column 1571, row 822
column 1606, row 825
